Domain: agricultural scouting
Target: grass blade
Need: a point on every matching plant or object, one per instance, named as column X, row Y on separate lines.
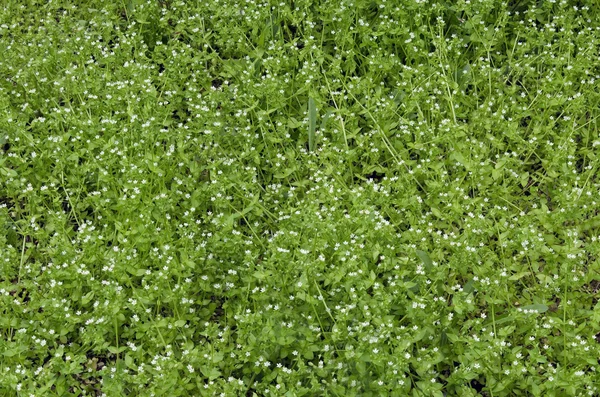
column 312, row 124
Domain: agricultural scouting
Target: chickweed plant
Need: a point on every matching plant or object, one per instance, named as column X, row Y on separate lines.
column 299, row 198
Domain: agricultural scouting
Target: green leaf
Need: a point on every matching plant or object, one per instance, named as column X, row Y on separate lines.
column 457, row 156
column 453, row 338
column 365, row 358
column 287, row 172
column 518, row 276
column 506, row 330
column 312, row 123
column 285, row 340
column 525, row 179
column 15, row 350
column 115, row 350
column 415, row 289
column 210, row 373
column 10, row 173
column 129, row 361
column 410, row 284
column 87, row 297
column 361, row 367
column 261, row 274
column 217, row 357
column 496, row 174
column 426, row 259
column 469, row 287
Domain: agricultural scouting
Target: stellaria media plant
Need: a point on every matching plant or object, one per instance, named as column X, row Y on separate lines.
column 336, row 198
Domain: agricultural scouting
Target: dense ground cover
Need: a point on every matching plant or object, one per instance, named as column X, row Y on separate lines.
column 337, row 198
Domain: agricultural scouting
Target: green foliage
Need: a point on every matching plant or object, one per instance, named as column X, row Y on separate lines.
column 355, row 198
